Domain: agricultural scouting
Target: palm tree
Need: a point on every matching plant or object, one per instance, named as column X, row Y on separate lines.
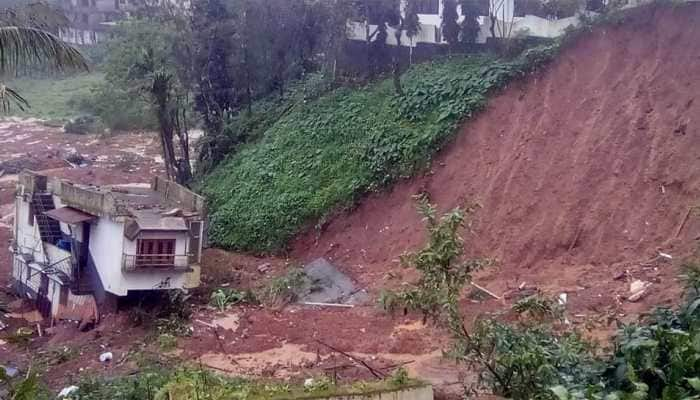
column 26, row 46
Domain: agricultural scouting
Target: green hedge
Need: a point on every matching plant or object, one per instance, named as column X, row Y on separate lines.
column 326, row 153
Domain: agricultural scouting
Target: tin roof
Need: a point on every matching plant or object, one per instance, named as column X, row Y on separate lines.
column 69, row 215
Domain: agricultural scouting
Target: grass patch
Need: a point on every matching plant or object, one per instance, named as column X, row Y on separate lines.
column 326, row 153
column 157, row 383
column 55, row 98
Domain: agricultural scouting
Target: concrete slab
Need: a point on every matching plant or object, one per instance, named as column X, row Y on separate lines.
column 330, row 285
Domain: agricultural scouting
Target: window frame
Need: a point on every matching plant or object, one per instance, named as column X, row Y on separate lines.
column 155, row 253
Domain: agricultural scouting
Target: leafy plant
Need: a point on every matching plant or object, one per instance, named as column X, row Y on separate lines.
column 523, row 362
column 167, row 341
column 25, row 388
column 538, row 308
column 223, row 298
column 443, row 273
column 321, row 154
column 284, row 289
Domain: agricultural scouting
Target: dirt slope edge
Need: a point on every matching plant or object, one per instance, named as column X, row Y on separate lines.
column 589, row 166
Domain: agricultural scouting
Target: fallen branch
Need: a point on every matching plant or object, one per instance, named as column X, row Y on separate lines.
column 399, row 365
column 483, row 289
column 377, row 373
column 683, row 222
column 573, row 242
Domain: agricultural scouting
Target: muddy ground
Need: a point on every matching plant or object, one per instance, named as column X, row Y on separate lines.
column 584, row 173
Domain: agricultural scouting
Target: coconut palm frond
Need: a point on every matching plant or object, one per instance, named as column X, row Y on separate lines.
column 29, row 46
column 8, row 97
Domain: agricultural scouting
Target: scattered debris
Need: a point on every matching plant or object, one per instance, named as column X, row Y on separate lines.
column 684, row 221
column 665, row 255
column 10, row 372
column 311, row 303
column 263, row 268
column 377, row 373
column 621, row 275
column 484, row 290
column 575, row 240
column 67, row 391
column 106, row 357
column 175, row 212
column 309, row 382
column 563, row 297
column 74, row 157
column 638, row 289
column 329, row 285
column 32, row 317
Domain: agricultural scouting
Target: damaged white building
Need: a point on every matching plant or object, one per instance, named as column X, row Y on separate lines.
column 78, row 248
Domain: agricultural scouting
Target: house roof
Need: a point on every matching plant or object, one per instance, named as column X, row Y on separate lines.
column 150, row 220
column 69, row 215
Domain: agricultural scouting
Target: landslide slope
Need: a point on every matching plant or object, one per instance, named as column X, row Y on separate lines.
column 593, row 162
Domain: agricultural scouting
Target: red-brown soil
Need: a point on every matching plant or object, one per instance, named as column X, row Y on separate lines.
column 582, row 171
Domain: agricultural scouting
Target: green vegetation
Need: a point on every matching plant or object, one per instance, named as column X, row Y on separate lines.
column 157, row 383
column 540, row 358
column 443, row 273
column 324, row 154
column 285, row 288
column 55, row 99
column 223, row 298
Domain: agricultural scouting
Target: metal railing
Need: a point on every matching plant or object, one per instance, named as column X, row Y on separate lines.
column 151, row 262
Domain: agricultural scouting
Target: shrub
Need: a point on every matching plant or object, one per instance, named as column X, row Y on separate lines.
column 116, row 108
column 443, row 273
column 223, row 298
column 84, row 125
column 285, row 289
column 323, row 154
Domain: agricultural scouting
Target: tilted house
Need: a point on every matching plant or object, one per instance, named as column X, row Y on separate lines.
column 78, row 248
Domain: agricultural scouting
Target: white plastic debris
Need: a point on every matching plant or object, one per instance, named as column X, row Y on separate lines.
column 562, row 299
column 666, row 256
column 105, row 357
column 637, row 290
column 67, row 391
column 309, row 382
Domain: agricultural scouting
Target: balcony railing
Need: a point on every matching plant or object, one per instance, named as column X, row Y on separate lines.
column 155, row 262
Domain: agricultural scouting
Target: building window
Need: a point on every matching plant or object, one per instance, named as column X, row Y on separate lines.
column 155, row 253
column 427, row 6
column 85, row 18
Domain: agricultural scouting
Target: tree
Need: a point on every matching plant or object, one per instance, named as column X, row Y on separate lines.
column 212, row 29
column 470, row 25
column 450, row 26
column 407, row 22
column 411, row 25
column 145, row 59
column 23, row 46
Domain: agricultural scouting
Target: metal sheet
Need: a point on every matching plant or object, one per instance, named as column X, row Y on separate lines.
column 69, row 215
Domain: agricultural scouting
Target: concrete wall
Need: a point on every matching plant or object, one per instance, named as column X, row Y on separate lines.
column 107, row 246
column 27, row 236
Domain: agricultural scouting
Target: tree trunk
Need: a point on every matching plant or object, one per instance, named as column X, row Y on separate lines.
column 396, row 68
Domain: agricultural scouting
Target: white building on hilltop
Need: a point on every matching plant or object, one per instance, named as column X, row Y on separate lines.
column 510, row 18
column 78, row 248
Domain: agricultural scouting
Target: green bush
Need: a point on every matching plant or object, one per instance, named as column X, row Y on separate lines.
column 116, row 108
column 324, row 154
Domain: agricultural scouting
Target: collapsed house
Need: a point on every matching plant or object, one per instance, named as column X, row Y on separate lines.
column 78, row 248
